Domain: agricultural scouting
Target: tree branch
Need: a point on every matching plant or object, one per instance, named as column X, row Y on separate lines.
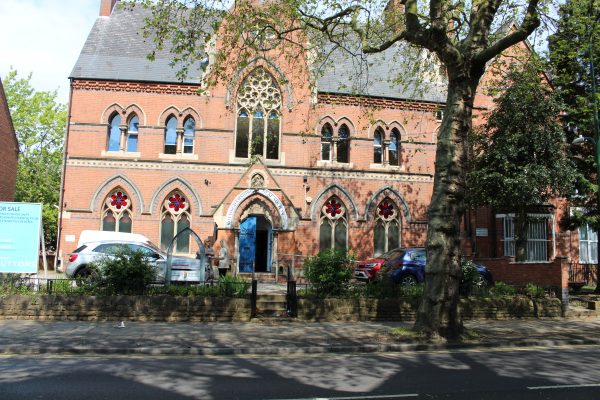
column 530, row 23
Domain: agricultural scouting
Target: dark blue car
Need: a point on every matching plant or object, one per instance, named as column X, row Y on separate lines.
column 408, row 268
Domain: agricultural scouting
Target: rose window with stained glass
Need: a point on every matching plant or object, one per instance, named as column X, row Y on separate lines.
column 175, row 217
column 116, row 212
column 333, row 231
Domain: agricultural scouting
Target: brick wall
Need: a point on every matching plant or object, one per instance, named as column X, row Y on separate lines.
column 198, row 309
column 548, row 274
column 8, row 151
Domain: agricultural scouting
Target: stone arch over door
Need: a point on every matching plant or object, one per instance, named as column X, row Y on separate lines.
column 264, row 198
column 256, row 220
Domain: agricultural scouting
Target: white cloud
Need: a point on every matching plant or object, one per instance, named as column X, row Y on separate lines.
column 44, row 37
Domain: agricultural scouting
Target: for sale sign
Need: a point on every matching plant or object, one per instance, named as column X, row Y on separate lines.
column 20, row 227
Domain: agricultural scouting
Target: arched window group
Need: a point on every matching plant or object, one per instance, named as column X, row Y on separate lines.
column 386, row 152
column 258, row 117
column 123, row 137
column 335, row 146
column 176, row 140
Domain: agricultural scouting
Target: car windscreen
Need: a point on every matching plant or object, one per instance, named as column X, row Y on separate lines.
column 396, row 253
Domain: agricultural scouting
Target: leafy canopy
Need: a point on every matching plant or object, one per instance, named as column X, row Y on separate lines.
column 39, row 122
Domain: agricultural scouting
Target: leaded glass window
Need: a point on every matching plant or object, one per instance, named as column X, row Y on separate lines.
column 175, row 217
column 258, row 121
column 326, row 136
column 171, row 136
column 189, row 126
column 333, row 231
column 114, row 133
column 393, row 148
column 343, row 144
column 386, row 233
column 116, row 212
column 377, row 150
column 132, row 134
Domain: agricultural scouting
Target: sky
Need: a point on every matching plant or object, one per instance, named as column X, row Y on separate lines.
column 44, row 37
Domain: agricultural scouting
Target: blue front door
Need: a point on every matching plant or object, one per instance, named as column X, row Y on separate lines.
column 247, row 244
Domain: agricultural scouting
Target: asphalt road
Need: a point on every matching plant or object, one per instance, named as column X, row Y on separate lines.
column 564, row 373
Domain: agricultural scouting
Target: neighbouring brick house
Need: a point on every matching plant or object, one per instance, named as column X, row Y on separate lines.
column 9, row 151
column 338, row 169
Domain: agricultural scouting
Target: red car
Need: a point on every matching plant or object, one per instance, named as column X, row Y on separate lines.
column 366, row 270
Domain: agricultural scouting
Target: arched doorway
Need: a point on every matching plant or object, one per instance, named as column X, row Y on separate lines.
column 255, row 244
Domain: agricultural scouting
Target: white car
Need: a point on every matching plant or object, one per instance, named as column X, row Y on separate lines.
column 183, row 269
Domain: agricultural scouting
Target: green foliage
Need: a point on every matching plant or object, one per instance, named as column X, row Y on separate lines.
column 329, row 272
column 232, row 286
column 39, row 123
column 535, row 291
column 501, row 289
column 469, row 275
column 520, row 158
column 126, row 272
column 578, row 31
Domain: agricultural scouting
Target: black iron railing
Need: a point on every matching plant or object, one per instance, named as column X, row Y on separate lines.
column 582, row 273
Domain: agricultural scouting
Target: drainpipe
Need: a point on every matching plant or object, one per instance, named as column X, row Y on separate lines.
column 63, row 177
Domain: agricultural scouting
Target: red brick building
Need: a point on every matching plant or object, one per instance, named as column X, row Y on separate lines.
column 9, row 151
column 274, row 166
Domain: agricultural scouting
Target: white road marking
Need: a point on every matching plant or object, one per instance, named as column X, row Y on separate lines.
column 563, row 386
column 386, row 396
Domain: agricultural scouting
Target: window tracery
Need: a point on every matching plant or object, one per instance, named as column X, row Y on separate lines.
column 175, row 217
column 333, row 231
column 387, row 227
column 116, row 212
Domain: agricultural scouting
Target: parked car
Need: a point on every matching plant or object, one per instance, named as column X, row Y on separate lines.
column 183, row 269
column 407, row 267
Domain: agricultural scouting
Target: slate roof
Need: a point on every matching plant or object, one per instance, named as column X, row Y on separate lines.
column 116, row 50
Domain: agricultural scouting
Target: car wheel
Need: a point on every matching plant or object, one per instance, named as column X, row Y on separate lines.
column 480, row 282
column 408, row 280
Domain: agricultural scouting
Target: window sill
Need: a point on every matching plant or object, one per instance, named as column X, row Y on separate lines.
column 382, row 167
column 177, row 157
column 244, row 161
column 334, row 164
column 121, row 154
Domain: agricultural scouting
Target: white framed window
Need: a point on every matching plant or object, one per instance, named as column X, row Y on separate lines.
column 537, row 238
column 588, row 245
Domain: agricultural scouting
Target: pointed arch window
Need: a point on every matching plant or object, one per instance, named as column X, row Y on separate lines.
column 333, row 231
column 116, row 212
column 132, row 134
column 189, row 128
column 377, row 146
column 171, row 136
column 343, row 144
column 175, row 217
column 258, row 118
column 386, row 232
column 114, row 133
column 326, row 138
column 394, row 148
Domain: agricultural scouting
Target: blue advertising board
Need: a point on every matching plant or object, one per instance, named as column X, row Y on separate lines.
column 20, row 225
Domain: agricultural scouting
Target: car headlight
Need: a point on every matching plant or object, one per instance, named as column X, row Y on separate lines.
column 371, row 265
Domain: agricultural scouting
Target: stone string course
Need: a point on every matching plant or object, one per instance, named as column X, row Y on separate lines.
column 200, row 309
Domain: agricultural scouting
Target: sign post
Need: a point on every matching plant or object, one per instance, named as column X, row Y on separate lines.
column 20, row 227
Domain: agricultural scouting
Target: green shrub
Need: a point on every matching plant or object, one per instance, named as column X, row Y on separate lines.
column 329, row 272
column 534, row 290
column 125, row 272
column 502, row 289
column 232, row 286
column 469, row 274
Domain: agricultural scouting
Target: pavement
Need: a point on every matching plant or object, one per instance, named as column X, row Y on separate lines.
column 25, row 337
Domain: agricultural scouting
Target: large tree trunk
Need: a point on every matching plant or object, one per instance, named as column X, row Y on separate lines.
column 438, row 313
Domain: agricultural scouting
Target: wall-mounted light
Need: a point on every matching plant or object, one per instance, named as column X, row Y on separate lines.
column 206, row 182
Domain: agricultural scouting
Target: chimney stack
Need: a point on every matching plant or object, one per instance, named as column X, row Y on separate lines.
column 106, row 7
